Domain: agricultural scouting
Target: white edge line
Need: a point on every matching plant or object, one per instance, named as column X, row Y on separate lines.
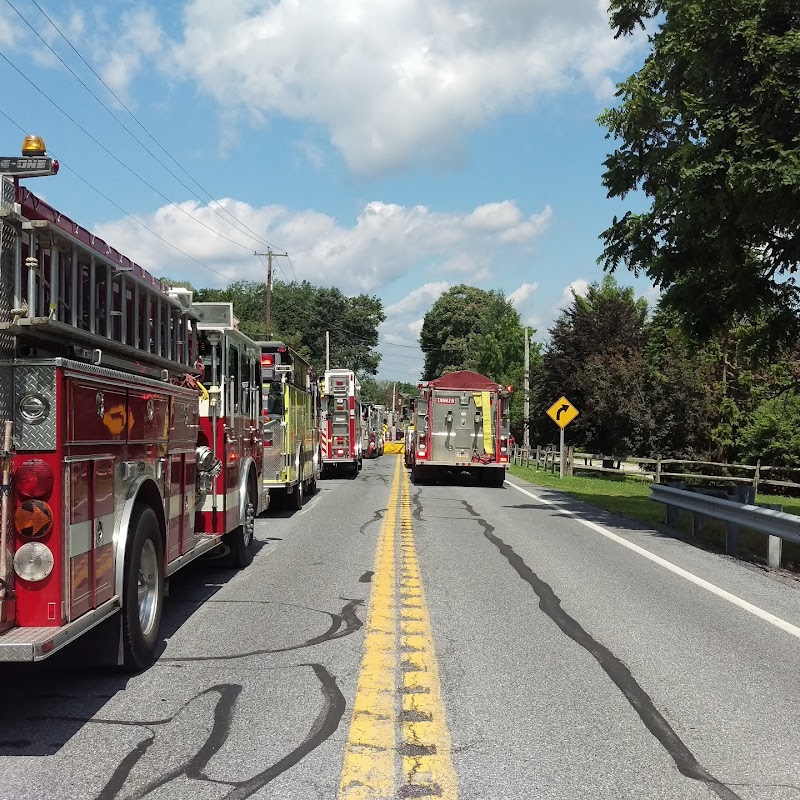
column 793, row 630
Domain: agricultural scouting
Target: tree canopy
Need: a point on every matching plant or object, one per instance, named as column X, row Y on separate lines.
column 595, row 358
column 471, row 328
column 709, row 130
column 300, row 315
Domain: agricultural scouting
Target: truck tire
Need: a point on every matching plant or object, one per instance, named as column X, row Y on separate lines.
column 296, row 497
column 495, row 478
column 240, row 540
column 143, row 589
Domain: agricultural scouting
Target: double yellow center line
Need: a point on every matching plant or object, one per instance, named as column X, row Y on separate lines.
column 398, row 744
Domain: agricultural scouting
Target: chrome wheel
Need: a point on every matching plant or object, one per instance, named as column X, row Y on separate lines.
column 249, row 525
column 147, row 587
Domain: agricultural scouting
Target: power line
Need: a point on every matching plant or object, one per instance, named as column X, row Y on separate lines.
column 244, row 227
column 298, row 311
column 117, row 159
column 120, row 208
column 292, row 266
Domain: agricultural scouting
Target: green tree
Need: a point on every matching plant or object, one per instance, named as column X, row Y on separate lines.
column 596, row 359
column 300, row 315
column 682, row 389
column 381, row 392
column 709, row 130
column 470, row 328
column 772, row 432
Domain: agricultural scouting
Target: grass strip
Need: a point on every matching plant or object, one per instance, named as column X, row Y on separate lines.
column 629, row 497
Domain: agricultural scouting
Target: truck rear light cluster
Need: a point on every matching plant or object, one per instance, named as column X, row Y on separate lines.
column 33, row 561
column 33, row 479
column 33, row 519
column 422, row 445
column 503, row 457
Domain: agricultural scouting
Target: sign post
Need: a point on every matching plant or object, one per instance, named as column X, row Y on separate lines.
column 562, row 412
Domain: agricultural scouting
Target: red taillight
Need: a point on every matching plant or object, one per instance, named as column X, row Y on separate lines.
column 340, row 439
column 267, row 442
column 267, row 361
column 33, row 479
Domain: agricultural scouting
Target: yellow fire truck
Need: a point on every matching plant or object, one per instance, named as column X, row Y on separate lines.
column 290, row 424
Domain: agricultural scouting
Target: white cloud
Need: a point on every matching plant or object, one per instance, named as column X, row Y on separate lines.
column 521, row 294
column 137, row 35
column 7, row 33
column 415, row 327
column 496, row 216
column 384, row 242
column 578, row 287
column 398, row 81
column 419, row 297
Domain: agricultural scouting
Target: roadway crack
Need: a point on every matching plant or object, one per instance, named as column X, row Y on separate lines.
column 194, row 768
column 615, row 669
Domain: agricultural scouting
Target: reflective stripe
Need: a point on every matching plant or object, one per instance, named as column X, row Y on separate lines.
column 81, row 534
column 80, row 538
column 175, row 506
column 226, row 500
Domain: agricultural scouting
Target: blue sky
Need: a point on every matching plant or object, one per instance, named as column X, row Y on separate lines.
column 396, row 148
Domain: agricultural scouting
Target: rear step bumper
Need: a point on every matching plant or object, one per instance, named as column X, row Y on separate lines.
column 36, row 644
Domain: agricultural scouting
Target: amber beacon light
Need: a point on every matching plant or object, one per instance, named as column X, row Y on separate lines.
column 33, row 146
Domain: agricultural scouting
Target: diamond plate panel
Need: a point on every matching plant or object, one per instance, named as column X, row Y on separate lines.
column 7, row 193
column 42, row 381
column 273, row 456
column 8, row 244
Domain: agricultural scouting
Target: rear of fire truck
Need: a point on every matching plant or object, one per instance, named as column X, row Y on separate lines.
column 342, row 432
column 461, row 424
column 103, row 473
column 372, row 430
column 290, row 423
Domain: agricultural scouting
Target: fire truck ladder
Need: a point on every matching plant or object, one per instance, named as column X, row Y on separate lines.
column 61, row 284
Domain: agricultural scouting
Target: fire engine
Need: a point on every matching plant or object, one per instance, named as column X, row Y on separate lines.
column 342, row 430
column 461, row 424
column 126, row 454
column 291, row 419
column 372, row 417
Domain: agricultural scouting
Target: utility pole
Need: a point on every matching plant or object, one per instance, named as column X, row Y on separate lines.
column 269, row 255
column 526, row 422
column 327, row 350
column 394, row 398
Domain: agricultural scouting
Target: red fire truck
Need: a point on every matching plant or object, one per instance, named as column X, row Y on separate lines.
column 461, row 424
column 342, row 435
column 130, row 439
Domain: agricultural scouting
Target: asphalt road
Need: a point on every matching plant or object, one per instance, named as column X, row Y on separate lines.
column 441, row 641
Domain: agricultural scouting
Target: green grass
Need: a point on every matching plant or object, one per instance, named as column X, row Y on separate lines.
column 629, row 497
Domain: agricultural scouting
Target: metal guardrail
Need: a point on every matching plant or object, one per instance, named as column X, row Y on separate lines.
column 778, row 525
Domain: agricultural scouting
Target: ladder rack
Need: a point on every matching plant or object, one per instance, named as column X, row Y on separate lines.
column 71, row 289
